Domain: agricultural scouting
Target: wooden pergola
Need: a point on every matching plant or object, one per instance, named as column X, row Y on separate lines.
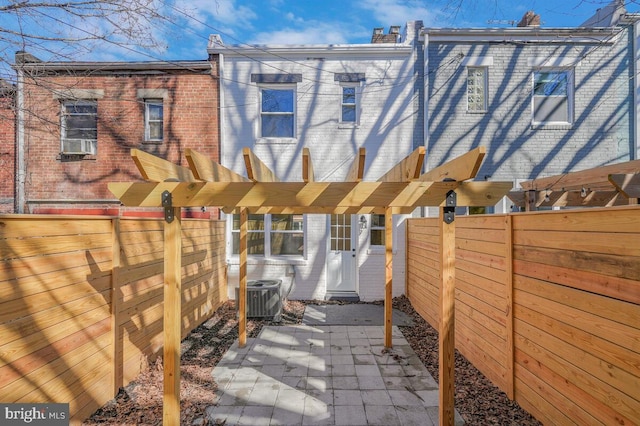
column 400, row 191
column 604, row 186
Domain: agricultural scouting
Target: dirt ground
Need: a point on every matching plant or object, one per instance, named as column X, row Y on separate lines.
column 140, row 403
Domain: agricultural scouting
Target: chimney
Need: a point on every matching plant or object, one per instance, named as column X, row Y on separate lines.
column 380, row 37
column 530, row 19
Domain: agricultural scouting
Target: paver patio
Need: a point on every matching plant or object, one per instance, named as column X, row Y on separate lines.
column 324, row 375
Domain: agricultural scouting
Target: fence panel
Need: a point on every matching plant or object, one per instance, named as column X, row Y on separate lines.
column 576, row 307
column 81, row 302
column 547, row 307
column 55, row 295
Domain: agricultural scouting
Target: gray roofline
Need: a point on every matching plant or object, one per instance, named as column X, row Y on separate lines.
column 115, row 66
column 523, row 31
column 314, row 49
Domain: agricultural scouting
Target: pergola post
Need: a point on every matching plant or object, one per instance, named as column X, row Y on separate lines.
column 388, row 282
column 242, row 291
column 172, row 315
column 446, row 343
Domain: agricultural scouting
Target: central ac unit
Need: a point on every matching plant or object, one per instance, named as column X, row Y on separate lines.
column 263, row 299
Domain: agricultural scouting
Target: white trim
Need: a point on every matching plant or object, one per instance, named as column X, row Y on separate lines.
column 152, row 94
column 553, row 61
column 477, row 61
column 70, row 94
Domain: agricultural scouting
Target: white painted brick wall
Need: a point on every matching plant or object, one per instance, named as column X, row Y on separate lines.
column 385, row 130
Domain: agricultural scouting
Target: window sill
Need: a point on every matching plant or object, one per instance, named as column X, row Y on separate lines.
column 551, row 126
column 378, row 251
column 272, row 141
column 348, row 126
column 152, row 142
column 272, row 261
column 477, row 112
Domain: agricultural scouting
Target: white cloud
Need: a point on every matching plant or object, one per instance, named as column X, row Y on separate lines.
column 398, row 12
column 317, row 34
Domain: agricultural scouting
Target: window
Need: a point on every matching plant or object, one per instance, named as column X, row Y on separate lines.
column 277, row 113
column 477, row 89
column 552, row 91
column 153, row 120
column 349, row 111
column 79, row 127
column 377, row 230
column 286, row 236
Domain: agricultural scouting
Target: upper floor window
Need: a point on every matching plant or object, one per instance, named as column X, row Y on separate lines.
column 79, row 126
column 270, row 235
column 153, row 120
column 552, row 97
column 349, row 104
column 477, row 89
column 277, row 112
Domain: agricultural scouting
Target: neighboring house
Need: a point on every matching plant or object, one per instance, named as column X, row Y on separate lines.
column 333, row 100
column 7, row 147
column 543, row 101
column 79, row 120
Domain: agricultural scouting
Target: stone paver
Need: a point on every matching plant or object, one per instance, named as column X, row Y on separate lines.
column 324, row 375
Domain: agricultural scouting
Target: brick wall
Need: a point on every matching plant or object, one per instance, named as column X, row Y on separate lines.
column 7, row 153
column 600, row 134
column 190, row 121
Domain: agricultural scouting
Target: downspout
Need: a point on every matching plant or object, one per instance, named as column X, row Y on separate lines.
column 425, row 98
column 20, row 141
column 635, row 153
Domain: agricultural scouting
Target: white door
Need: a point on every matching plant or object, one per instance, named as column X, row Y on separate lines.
column 341, row 261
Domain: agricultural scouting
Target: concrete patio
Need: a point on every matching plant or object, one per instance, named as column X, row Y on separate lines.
column 324, row 375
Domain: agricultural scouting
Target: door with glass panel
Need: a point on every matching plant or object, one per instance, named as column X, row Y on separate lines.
column 341, row 262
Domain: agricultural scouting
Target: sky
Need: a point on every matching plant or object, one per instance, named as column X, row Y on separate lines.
column 184, row 34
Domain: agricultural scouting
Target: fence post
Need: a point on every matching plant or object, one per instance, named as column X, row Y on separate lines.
column 446, row 345
column 117, row 357
column 510, row 390
column 388, row 277
column 172, row 317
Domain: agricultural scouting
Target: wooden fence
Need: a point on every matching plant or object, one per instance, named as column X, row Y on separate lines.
column 547, row 307
column 81, row 302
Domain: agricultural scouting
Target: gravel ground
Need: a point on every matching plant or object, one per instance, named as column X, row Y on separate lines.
column 140, row 402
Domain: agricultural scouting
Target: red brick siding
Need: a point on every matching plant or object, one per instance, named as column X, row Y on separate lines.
column 190, row 121
column 7, row 154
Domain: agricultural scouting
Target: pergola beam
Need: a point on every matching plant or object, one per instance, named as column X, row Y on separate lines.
column 204, row 168
column 573, row 198
column 406, row 170
column 628, row 184
column 459, row 169
column 257, row 171
column 307, row 166
column 156, row 169
column 356, row 171
column 591, row 179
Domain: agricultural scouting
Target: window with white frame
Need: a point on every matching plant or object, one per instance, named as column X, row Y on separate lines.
column 153, row 120
column 349, row 104
column 277, row 112
column 552, row 96
column 377, row 230
column 285, row 236
column 79, row 126
column 477, row 89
